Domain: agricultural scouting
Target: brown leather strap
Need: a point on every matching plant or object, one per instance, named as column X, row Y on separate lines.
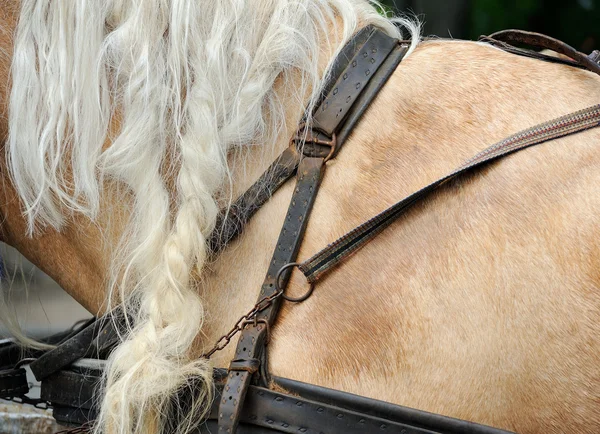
column 250, row 347
column 334, row 108
column 232, row 222
column 319, row 143
column 506, row 39
column 336, row 252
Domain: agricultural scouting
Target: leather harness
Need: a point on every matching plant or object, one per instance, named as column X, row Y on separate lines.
column 246, row 401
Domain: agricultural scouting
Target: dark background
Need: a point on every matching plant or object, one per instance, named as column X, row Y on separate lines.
column 576, row 22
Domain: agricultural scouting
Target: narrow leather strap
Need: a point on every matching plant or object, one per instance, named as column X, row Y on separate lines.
column 251, row 344
column 231, row 223
column 506, row 39
column 341, row 249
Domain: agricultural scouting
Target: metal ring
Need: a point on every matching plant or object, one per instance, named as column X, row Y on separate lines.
column 282, row 290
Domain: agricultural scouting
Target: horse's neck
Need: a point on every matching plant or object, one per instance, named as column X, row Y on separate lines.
column 438, row 109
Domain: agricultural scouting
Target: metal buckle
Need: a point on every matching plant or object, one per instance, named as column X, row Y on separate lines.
column 309, row 136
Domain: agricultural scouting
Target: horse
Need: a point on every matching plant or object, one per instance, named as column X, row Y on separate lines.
column 128, row 126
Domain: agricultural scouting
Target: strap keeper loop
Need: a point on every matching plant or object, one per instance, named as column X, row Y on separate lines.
column 248, row 365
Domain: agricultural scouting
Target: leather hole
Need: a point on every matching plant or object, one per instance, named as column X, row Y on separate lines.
column 383, row 427
column 230, row 398
column 372, row 60
column 278, row 399
column 362, row 421
column 244, row 349
column 358, row 84
column 302, row 429
column 365, row 54
column 340, row 416
column 345, row 76
column 269, row 421
column 335, row 91
column 374, row 50
column 299, row 403
column 368, row 72
column 354, row 63
column 237, row 374
column 285, row 425
column 320, row 410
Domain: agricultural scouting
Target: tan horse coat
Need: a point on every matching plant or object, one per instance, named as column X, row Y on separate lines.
column 482, row 303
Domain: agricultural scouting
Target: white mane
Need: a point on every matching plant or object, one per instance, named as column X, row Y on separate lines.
column 172, row 86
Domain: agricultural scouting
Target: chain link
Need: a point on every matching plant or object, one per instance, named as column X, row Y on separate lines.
column 244, row 320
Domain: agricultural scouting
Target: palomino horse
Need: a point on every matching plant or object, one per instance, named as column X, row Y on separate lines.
column 128, row 125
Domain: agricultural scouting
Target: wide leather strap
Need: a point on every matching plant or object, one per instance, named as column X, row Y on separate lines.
column 305, row 408
column 13, row 382
column 96, row 339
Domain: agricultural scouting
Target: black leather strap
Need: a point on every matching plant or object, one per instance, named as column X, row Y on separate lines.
column 13, row 382
column 306, row 409
column 94, row 340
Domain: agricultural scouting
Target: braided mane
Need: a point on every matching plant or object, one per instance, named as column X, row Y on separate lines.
column 148, row 95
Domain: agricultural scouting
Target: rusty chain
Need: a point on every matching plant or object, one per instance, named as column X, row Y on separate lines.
column 244, row 320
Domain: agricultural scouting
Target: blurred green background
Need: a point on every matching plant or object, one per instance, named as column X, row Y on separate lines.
column 576, row 22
